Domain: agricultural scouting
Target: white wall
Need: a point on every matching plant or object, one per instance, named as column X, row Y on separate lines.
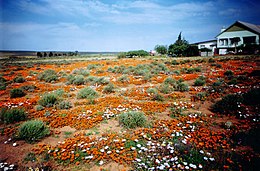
column 206, row 45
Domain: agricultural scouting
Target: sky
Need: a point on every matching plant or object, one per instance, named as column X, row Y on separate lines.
column 116, row 25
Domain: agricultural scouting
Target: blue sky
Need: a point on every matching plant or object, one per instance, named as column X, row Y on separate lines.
column 115, row 25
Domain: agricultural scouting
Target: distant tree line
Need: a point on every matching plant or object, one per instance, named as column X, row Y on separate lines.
column 134, row 53
column 51, row 54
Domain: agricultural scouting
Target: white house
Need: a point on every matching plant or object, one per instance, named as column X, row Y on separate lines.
column 235, row 35
column 207, row 48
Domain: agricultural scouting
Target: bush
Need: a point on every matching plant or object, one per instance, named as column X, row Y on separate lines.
column 29, row 88
column 12, row 115
column 123, row 78
column 174, row 62
column 70, row 79
column 170, row 80
column 110, row 88
column 182, row 87
column 211, row 60
column 201, row 96
column 132, row 119
column 81, row 71
column 200, row 81
column 78, row 80
column 101, row 80
column 19, row 79
column 229, row 73
column 121, row 55
column 39, row 107
column 166, row 88
column 252, row 97
column 48, row 100
column 152, row 91
column 32, row 131
column 48, row 76
column 17, row 92
column 228, row 104
column 64, row 105
column 87, row 93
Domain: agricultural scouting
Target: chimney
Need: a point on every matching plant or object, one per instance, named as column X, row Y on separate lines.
column 222, row 29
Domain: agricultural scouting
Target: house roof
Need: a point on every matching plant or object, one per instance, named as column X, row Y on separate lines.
column 251, row 27
column 207, row 41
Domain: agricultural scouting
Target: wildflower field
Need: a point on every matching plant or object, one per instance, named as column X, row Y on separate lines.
column 130, row 114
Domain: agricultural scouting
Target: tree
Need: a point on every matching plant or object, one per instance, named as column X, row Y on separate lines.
column 179, row 47
column 39, row 54
column 50, row 54
column 235, row 41
column 161, row 49
column 45, row 54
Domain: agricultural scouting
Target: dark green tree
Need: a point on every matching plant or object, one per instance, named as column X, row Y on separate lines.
column 161, row 49
column 179, row 47
column 39, row 54
column 50, row 54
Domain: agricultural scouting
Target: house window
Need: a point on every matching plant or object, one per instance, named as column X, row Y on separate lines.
column 202, row 46
column 223, row 42
column 249, row 40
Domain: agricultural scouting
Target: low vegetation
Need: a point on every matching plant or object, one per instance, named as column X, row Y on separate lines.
column 146, row 113
column 32, row 131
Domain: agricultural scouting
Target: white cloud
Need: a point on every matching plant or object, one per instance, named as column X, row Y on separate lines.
column 230, row 12
column 124, row 12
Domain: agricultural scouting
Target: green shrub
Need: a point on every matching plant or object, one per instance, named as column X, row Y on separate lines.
column 182, row 87
column 32, row 131
column 12, row 115
column 90, row 79
column 2, row 87
column 170, row 80
column 228, row 104
column 3, row 83
column 152, row 91
column 233, row 81
column 211, row 60
column 70, row 79
column 201, row 96
column 93, row 66
column 158, row 97
column 200, row 81
column 101, row 80
column 59, row 92
column 17, row 92
column 64, row 105
column 39, row 107
column 197, row 69
column 19, row 79
column 87, row 93
column 175, row 112
column 110, row 88
column 48, row 76
column 166, row 88
column 123, row 78
column 174, row 62
column 229, row 73
column 48, row 100
column 132, row 119
column 81, row 71
column 79, row 80
column 29, row 88
column 121, row 55
column 252, row 97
